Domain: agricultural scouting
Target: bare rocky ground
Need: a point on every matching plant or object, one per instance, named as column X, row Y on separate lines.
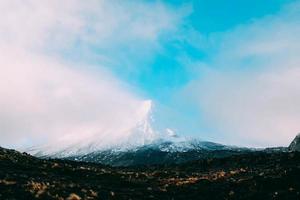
column 255, row 175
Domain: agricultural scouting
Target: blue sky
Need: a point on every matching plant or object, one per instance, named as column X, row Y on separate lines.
column 217, row 70
column 163, row 72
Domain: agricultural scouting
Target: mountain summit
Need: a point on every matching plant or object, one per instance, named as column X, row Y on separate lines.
column 128, row 134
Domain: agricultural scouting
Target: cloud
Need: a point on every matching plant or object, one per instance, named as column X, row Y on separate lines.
column 47, row 98
column 250, row 92
column 100, row 24
column 43, row 100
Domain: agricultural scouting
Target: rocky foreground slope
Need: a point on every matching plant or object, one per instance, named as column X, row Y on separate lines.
column 253, row 175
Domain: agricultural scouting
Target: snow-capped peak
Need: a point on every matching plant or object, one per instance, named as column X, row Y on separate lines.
column 137, row 131
column 137, row 134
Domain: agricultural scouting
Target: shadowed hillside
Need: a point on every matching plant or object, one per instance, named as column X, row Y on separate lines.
column 256, row 175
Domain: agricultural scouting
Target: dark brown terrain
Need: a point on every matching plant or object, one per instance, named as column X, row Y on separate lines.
column 254, row 175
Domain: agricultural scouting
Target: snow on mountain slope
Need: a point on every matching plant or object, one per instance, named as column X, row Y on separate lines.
column 138, row 133
column 160, row 152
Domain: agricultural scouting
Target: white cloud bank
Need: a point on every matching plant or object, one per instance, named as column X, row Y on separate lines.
column 48, row 100
column 105, row 23
column 250, row 93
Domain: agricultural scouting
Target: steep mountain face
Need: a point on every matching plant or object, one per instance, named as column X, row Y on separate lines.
column 295, row 144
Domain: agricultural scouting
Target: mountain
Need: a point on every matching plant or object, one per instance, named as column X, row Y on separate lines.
column 141, row 144
column 132, row 145
column 295, row 144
